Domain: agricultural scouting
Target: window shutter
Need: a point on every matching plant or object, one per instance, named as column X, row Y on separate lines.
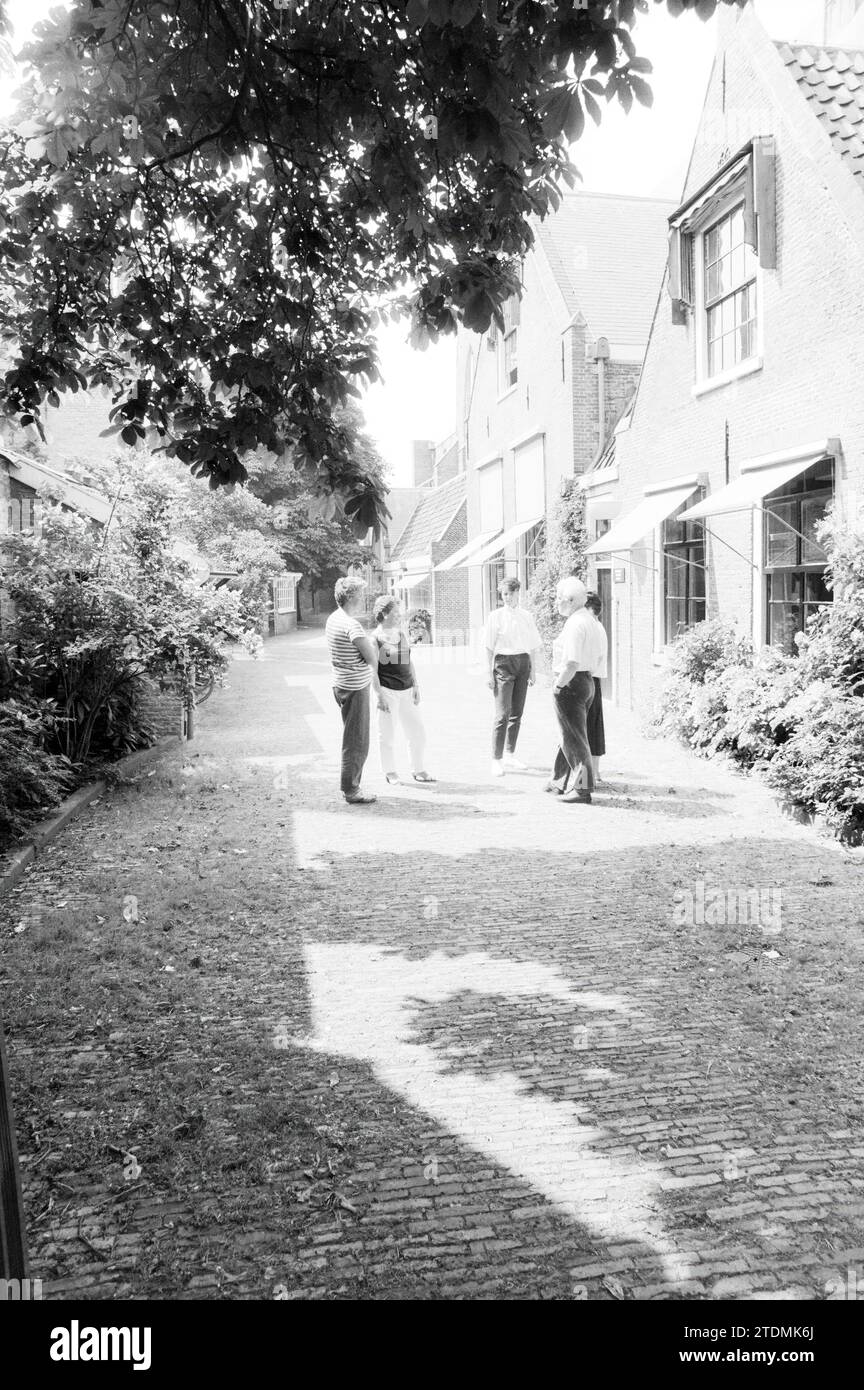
column 515, row 311
column 674, row 281
column 760, row 203
column 680, row 279
column 688, row 275
column 765, row 200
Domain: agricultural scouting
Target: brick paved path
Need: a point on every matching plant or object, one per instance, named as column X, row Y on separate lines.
column 519, row 1071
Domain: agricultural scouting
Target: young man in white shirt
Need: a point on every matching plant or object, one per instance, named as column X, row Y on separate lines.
column 512, row 644
column 577, row 652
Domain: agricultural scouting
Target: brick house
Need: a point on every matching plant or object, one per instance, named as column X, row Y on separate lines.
column 748, row 419
column 537, row 402
column 423, row 560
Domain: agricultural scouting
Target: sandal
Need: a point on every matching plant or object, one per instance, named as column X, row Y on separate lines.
column 392, row 777
column 423, row 777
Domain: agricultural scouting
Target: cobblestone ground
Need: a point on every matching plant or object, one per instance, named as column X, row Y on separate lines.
column 480, row 1044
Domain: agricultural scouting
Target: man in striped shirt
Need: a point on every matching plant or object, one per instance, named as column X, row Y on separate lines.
column 354, row 659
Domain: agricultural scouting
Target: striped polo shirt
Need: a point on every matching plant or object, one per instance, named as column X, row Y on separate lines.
column 350, row 671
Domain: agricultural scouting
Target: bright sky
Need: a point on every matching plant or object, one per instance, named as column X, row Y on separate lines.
column 645, row 154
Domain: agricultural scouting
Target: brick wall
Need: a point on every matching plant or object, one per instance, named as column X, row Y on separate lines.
column 451, row 587
column 72, row 431
column 163, row 710
column 812, row 312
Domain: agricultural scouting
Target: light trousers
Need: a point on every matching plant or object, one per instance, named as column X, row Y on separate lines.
column 403, row 711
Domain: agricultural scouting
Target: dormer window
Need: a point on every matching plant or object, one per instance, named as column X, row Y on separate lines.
column 720, row 241
column 729, row 269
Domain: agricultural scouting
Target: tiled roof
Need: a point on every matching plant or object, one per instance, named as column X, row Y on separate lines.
column 431, row 518
column 832, row 82
column 607, row 254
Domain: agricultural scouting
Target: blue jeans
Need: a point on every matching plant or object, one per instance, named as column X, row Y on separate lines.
column 354, row 705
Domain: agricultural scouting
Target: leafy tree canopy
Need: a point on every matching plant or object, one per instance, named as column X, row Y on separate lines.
column 208, row 205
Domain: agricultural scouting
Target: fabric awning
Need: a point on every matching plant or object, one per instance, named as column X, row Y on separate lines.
column 636, row 524
column 464, row 551
column 503, row 541
column 410, row 581
column 756, row 482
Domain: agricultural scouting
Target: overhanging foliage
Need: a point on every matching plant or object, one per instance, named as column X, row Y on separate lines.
column 207, row 202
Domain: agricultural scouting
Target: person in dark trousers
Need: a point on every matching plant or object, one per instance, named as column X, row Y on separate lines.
column 576, row 653
column 354, row 659
column 512, row 644
column 596, row 728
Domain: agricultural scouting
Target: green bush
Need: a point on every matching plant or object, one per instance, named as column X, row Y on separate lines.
column 757, row 718
column 99, row 611
column 821, row 766
column 799, row 719
column 32, row 780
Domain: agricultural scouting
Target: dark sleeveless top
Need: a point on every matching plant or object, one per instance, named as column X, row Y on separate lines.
column 393, row 664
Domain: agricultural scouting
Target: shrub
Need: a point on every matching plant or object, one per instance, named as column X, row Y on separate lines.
column 757, row 716
column 32, row 780
column 95, row 612
column 821, row 766
column 800, row 719
column 707, row 649
column 693, row 701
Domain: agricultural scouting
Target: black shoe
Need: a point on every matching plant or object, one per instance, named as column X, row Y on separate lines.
column 578, row 794
column 361, row 799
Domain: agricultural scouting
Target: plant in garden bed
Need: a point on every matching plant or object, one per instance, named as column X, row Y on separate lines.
column 32, row 779
column 103, row 611
column 800, row 719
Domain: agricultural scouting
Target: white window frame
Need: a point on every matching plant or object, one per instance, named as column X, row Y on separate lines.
column 511, row 330
column 704, row 382
column 537, row 536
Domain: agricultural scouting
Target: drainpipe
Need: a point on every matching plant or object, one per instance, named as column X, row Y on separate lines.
column 601, row 357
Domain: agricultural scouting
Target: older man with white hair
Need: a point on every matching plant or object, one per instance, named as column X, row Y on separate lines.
column 576, row 653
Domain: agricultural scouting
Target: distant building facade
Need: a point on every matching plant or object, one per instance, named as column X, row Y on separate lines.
column 538, row 401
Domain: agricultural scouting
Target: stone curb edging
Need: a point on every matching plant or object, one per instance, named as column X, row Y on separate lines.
column 48, row 830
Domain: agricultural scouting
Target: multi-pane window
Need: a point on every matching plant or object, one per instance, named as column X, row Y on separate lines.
column 493, row 573
column 532, row 546
column 683, row 572
column 729, row 268
column 22, row 514
column 794, row 560
column 510, row 344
